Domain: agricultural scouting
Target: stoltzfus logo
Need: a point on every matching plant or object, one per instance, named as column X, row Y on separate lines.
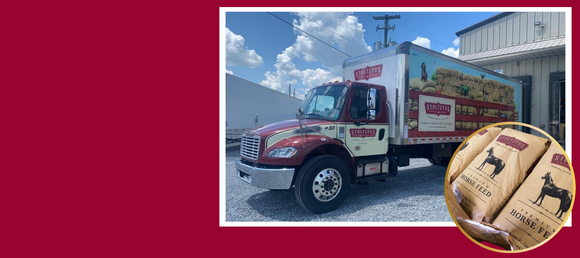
column 561, row 160
column 368, row 72
column 513, row 142
column 363, row 132
column 437, row 109
column 483, row 132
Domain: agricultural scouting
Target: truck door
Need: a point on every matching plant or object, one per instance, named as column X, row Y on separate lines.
column 366, row 137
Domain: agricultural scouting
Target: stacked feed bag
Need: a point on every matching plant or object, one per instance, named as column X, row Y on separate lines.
column 413, row 124
column 413, row 104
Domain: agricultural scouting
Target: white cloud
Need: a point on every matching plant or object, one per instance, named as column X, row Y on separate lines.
column 271, row 81
column 424, row 42
column 301, row 92
column 311, row 78
column 239, row 55
column 286, row 71
column 229, row 72
column 456, row 42
column 450, row 51
column 350, row 41
column 344, row 32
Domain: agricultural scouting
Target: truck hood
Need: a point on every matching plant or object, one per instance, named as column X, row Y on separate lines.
column 282, row 126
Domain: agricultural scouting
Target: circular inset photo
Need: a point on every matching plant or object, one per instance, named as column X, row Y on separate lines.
column 508, row 190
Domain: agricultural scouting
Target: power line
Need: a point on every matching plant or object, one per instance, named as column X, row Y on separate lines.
column 421, row 33
column 309, row 34
column 331, row 30
column 387, row 27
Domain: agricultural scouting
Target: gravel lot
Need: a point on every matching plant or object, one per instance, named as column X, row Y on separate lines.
column 415, row 194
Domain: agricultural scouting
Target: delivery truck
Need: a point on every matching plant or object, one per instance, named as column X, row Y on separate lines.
column 394, row 104
column 249, row 105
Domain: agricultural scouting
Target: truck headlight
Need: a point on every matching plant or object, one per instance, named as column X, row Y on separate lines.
column 286, row 152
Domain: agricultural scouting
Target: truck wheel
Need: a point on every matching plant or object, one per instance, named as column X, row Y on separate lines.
column 440, row 161
column 322, row 184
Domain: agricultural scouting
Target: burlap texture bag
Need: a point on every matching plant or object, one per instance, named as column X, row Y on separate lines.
column 540, row 206
column 470, row 150
column 492, row 177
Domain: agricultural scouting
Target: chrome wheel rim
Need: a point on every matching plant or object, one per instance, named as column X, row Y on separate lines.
column 326, row 184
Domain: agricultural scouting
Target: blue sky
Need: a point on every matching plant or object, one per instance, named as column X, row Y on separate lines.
column 263, row 49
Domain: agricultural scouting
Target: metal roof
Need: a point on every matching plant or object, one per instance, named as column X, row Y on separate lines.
column 486, row 21
column 537, row 49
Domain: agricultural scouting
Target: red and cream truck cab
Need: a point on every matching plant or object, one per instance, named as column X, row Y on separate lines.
column 394, row 104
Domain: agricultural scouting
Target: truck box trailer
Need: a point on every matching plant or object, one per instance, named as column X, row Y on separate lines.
column 394, row 104
column 421, row 82
column 249, row 105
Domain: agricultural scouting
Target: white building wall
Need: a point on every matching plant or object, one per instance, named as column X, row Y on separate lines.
column 513, row 29
column 245, row 99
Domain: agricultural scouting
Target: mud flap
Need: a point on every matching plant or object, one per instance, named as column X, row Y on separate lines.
column 393, row 165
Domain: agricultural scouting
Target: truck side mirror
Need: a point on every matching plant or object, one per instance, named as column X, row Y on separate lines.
column 371, row 114
column 372, row 99
column 371, row 104
column 300, row 115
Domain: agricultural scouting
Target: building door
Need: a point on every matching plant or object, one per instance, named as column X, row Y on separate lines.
column 526, row 112
column 562, row 134
column 557, row 102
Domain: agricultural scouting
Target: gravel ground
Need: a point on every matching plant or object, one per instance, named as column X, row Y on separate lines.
column 415, row 194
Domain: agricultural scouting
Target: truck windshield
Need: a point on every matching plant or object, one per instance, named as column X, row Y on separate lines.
column 325, row 102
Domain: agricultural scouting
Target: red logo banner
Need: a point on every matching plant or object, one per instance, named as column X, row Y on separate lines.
column 561, row 160
column 437, row 109
column 483, row 132
column 512, row 141
column 363, row 132
column 368, row 72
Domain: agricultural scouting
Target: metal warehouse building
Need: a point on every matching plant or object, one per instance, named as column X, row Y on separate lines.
column 249, row 105
column 528, row 46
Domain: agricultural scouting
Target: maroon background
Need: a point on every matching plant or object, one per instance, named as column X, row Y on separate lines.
column 109, row 115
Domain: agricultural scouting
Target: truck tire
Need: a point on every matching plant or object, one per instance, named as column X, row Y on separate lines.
column 322, row 184
column 444, row 162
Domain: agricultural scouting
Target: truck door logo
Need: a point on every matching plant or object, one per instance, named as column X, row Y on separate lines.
column 437, row 109
column 363, row 132
column 368, row 72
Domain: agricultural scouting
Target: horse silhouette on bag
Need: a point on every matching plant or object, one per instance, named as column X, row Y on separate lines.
column 492, row 160
column 552, row 190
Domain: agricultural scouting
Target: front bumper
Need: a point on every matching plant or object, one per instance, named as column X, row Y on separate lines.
column 268, row 178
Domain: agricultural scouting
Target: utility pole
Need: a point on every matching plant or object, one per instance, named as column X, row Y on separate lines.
column 387, row 27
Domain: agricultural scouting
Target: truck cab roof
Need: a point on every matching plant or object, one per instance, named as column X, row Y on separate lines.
column 350, row 84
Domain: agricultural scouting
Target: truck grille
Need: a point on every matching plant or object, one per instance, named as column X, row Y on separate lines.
column 250, row 147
